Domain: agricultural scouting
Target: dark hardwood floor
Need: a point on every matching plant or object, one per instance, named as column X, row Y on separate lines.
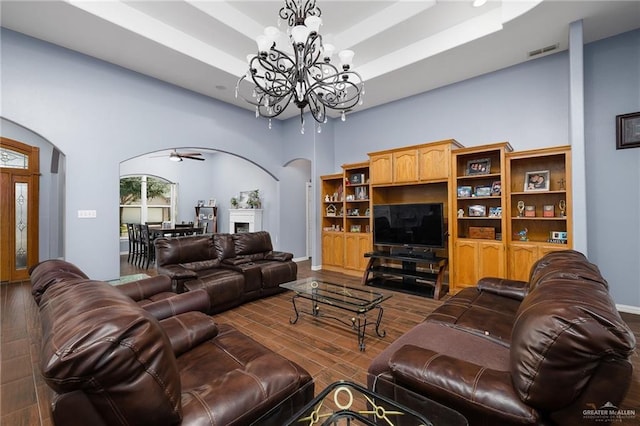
column 326, row 348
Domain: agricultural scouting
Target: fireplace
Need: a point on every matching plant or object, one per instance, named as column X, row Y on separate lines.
column 245, row 220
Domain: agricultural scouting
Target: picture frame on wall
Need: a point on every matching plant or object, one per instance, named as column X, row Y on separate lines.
column 480, row 166
column 628, row 130
column 536, row 181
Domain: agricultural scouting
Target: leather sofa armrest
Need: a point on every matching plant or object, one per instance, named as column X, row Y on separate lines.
column 142, row 289
column 474, row 388
column 279, row 255
column 513, row 289
column 180, row 303
column 188, row 330
column 233, row 261
column 177, row 272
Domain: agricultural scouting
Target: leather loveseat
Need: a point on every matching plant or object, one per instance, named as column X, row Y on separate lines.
column 232, row 268
column 110, row 362
column 550, row 351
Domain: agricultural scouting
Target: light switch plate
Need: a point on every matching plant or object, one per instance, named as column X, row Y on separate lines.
column 87, row 214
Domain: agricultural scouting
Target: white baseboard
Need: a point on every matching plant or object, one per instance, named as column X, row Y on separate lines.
column 300, row 259
column 628, row 309
column 316, row 267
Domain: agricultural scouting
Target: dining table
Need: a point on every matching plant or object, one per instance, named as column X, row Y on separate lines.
column 157, row 231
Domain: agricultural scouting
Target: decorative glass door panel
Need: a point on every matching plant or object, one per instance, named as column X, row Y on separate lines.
column 19, row 181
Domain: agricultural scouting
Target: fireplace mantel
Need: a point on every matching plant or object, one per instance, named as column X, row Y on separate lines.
column 245, row 220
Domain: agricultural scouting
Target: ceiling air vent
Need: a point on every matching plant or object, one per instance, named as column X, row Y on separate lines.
column 543, row 50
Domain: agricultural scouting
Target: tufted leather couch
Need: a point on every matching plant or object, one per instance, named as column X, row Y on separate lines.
column 109, row 361
column 512, row 352
column 232, row 268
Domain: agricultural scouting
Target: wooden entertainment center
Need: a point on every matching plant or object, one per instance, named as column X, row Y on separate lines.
column 503, row 210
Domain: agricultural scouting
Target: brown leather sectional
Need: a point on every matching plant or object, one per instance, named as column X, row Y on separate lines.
column 542, row 352
column 110, row 361
column 232, row 268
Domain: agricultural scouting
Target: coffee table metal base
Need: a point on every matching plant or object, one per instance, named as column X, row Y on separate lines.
column 359, row 322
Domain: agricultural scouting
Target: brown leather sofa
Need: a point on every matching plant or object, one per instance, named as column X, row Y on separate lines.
column 109, row 361
column 542, row 352
column 232, row 268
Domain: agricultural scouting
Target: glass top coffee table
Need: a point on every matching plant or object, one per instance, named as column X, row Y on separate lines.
column 358, row 301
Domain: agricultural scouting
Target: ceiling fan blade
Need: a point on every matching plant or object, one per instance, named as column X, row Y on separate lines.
column 191, row 158
column 187, row 154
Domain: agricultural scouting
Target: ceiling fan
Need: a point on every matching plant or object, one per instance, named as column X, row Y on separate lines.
column 178, row 156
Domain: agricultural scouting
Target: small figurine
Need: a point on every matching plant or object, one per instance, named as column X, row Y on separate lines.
column 327, row 198
column 460, row 213
column 523, row 235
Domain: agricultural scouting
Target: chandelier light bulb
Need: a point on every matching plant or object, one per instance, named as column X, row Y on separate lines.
column 263, row 43
column 299, row 33
column 328, row 51
column 272, row 34
column 313, row 23
column 346, row 57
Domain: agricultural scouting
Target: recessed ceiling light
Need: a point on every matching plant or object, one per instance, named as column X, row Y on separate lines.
column 479, row 3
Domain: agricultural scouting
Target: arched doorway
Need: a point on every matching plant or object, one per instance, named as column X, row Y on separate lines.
column 19, row 194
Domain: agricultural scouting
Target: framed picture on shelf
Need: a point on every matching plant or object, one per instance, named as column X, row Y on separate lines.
column 464, row 191
column 479, row 167
column 495, row 211
column 536, row 181
column 628, row 130
column 200, row 203
column 477, row 210
column 361, row 193
column 496, row 188
column 482, row 191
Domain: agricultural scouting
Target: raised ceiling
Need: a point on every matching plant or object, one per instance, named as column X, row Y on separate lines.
column 402, row 47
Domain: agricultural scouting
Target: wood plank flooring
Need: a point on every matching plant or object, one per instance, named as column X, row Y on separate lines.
column 326, row 348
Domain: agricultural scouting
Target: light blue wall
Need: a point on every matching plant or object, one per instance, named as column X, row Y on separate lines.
column 98, row 115
column 612, row 87
column 526, row 105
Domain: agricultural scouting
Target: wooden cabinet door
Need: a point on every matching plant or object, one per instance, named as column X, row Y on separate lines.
column 434, row 162
column 405, row 166
column 381, row 169
column 491, row 260
column 332, row 249
column 356, row 245
column 521, row 258
column 465, row 264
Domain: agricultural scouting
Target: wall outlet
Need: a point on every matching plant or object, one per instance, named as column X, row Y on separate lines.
column 87, row 214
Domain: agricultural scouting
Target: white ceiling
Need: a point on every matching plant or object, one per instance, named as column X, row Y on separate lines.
column 402, row 47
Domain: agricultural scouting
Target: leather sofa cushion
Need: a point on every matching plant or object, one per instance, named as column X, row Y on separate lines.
column 243, row 379
column 441, row 338
column 563, row 331
column 188, row 330
column 97, row 340
column 222, row 285
column 252, row 243
column 479, row 312
column 50, row 272
column 201, row 265
column 173, row 251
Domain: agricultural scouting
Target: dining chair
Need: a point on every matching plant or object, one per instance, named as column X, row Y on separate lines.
column 132, row 244
column 147, row 248
column 137, row 238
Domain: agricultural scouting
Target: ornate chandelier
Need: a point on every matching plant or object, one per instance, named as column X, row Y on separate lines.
column 306, row 77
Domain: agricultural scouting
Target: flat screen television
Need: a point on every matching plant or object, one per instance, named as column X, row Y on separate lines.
column 409, row 225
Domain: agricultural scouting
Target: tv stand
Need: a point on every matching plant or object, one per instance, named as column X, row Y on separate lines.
column 400, row 272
